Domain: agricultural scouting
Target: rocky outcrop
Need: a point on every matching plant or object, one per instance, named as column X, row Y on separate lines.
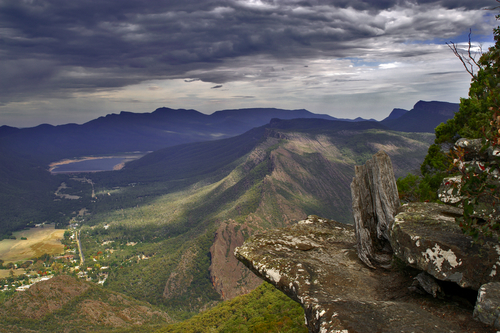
column 426, row 236
column 328, row 267
column 374, row 203
column 487, row 308
column 482, row 164
column 315, row 263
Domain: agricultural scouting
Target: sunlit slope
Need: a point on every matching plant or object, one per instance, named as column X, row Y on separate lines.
column 68, row 304
column 188, row 234
column 265, row 309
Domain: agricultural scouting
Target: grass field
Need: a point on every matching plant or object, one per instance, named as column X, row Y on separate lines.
column 39, row 241
column 6, row 272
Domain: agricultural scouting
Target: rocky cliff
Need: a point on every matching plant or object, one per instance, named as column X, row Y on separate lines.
column 322, row 265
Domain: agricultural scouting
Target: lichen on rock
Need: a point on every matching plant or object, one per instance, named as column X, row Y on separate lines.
column 338, row 292
column 426, row 236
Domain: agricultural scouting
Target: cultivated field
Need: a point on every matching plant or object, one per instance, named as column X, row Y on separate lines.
column 39, row 241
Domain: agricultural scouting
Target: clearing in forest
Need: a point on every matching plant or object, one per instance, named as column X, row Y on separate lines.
column 39, row 241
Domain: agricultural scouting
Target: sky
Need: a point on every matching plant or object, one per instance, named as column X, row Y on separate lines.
column 73, row 61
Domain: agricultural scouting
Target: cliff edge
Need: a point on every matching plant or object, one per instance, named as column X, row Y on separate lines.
column 343, row 281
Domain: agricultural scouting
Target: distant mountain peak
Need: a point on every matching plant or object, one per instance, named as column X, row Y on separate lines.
column 396, row 113
column 436, row 107
column 424, row 117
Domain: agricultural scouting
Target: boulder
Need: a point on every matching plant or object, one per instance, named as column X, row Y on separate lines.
column 425, row 283
column 426, row 236
column 315, row 263
column 482, row 164
column 487, row 309
column 375, row 200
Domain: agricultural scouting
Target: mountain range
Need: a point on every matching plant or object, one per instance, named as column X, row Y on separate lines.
column 202, row 191
column 26, row 187
column 127, row 131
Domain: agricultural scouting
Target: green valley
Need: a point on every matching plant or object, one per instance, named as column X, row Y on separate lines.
column 163, row 229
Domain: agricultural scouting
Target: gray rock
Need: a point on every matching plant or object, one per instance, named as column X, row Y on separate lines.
column 471, row 148
column 427, row 284
column 449, row 191
column 316, row 264
column 482, row 163
column 426, row 236
column 487, row 309
column 375, row 200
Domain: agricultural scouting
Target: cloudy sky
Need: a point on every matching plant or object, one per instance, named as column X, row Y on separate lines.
column 72, row 61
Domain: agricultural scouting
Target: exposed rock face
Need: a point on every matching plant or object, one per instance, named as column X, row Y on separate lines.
column 487, row 308
column 374, row 203
column 481, row 162
column 229, row 276
column 426, row 236
column 315, row 263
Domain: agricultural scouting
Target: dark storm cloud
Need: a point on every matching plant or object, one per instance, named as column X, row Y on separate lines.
column 469, row 4
column 59, row 47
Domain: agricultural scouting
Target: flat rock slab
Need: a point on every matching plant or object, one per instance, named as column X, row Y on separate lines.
column 426, row 236
column 315, row 263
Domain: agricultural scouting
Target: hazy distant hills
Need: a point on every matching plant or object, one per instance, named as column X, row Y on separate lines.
column 166, row 127
column 129, row 131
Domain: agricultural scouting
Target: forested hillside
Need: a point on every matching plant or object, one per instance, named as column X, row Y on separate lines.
column 27, row 190
column 169, row 236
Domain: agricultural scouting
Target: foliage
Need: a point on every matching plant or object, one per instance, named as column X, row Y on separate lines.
column 415, row 188
column 477, row 118
column 263, row 310
column 475, row 113
column 479, row 186
column 78, row 307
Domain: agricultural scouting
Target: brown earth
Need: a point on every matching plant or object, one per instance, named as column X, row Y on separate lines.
column 39, row 241
column 64, row 303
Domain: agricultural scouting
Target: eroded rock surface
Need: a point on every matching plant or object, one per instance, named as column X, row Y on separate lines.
column 375, row 200
column 315, row 263
column 474, row 159
column 426, row 236
column 487, row 308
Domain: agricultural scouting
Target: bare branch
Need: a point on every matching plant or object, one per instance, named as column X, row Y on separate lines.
column 469, row 61
column 464, row 61
column 469, row 52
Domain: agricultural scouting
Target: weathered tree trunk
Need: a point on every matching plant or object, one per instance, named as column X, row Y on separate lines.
column 375, row 200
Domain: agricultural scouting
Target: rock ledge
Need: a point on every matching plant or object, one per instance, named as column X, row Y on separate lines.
column 315, row 263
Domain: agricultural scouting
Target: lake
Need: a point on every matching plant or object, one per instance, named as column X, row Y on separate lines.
column 93, row 164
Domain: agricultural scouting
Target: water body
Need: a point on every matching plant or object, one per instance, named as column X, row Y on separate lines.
column 93, row 164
